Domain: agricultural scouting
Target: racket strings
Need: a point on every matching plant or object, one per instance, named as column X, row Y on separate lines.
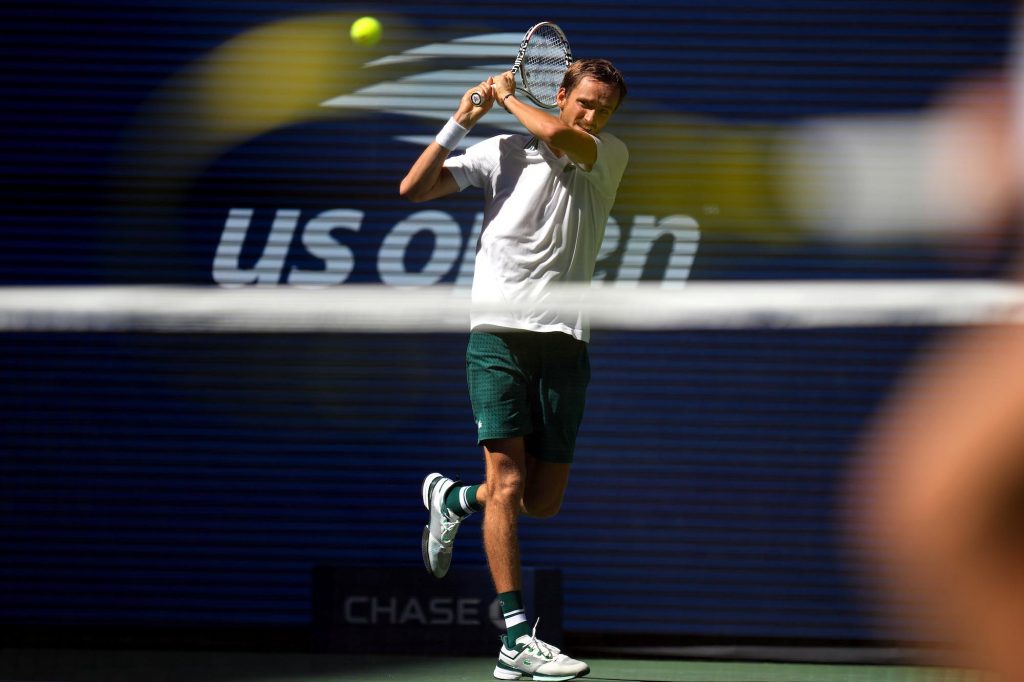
column 544, row 65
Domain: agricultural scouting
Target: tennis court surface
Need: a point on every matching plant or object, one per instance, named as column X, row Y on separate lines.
column 38, row 665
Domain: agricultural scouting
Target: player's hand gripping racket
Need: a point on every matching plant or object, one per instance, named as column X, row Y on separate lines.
column 543, row 57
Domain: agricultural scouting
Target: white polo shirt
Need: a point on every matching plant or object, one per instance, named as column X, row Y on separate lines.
column 544, row 221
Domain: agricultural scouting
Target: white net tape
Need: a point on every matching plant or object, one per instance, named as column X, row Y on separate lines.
column 369, row 308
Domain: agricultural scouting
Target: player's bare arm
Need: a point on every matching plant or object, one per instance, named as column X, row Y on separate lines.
column 582, row 116
column 428, row 178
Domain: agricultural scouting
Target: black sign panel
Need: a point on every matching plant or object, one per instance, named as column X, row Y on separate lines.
column 403, row 610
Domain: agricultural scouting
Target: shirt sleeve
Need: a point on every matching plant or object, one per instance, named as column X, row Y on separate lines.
column 472, row 168
column 612, row 157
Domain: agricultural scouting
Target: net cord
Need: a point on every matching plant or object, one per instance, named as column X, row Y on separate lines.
column 442, row 308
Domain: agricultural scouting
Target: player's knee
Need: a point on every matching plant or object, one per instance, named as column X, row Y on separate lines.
column 505, row 489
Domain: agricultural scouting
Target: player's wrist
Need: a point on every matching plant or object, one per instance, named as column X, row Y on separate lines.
column 451, row 134
column 504, row 99
column 466, row 118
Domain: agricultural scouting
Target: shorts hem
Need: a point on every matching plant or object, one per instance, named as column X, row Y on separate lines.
column 499, row 435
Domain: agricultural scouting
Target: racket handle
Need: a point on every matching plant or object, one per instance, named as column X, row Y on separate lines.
column 477, row 99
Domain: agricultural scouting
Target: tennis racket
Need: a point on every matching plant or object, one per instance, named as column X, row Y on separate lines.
column 543, row 57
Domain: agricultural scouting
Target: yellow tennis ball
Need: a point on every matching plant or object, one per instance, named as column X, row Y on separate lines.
column 366, row 31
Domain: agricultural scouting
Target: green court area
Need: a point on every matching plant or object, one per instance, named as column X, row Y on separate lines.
column 38, row 665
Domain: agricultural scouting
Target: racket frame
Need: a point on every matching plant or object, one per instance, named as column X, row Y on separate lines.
column 518, row 63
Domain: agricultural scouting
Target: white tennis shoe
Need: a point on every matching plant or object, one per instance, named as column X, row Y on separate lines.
column 536, row 660
column 439, row 533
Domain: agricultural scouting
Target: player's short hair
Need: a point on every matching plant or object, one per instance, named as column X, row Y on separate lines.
column 600, row 70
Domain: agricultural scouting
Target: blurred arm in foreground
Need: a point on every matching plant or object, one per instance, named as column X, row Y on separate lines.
column 937, row 499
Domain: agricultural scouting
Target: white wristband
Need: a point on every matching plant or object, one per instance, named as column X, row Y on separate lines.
column 451, row 135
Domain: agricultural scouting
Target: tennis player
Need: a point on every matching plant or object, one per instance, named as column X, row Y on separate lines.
column 547, row 197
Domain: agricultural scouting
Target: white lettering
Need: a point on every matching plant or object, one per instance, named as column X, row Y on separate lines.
column 373, row 610
column 468, row 612
column 338, row 259
column 667, row 247
column 412, row 613
column 349, row 609
column 685, row 234
column 447, row 245
column 441, row 611
column 388, row 609
column 227, row 269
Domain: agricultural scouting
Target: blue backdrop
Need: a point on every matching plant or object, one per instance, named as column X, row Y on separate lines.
column 178, row 479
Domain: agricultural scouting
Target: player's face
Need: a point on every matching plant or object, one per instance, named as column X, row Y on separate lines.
column 589, row 105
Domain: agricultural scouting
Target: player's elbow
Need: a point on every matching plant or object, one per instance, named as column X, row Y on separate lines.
column 579, row 145
column 410, row 191
column 553, row 131
column 416, row 187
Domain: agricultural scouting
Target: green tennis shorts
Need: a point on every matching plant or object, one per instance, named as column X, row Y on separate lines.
column 529, row 384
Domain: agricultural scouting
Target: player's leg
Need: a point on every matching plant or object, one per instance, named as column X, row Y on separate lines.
column 560, row 375
column 497, row 391
column 558, row 413
column 522, row 652
column 545, row 487
column 505, row 460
